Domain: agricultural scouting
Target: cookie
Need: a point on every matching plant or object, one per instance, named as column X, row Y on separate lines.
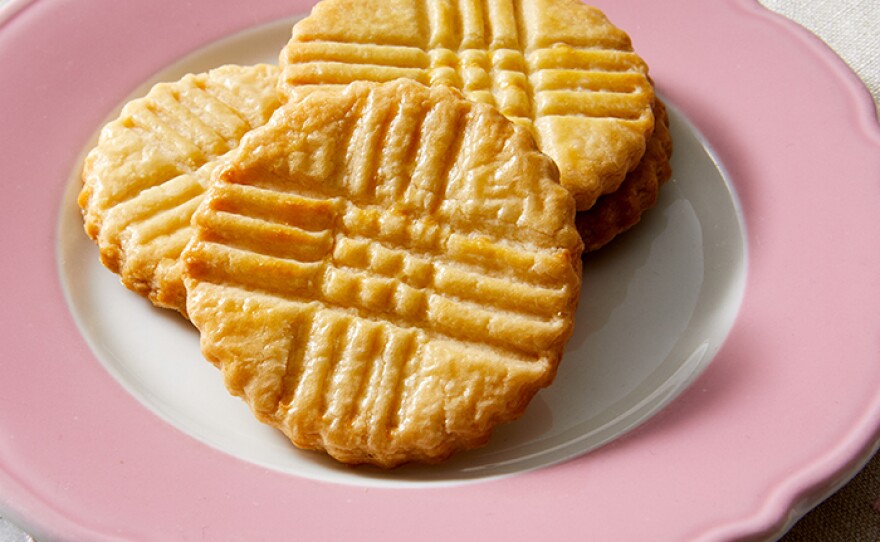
column 558, row 68
column 622, row 209
column 148, row 171
column 385, row 272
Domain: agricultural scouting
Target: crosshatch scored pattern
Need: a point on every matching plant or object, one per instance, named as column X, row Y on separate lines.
column 148, row 173
column 385, row 276
column 578, row 87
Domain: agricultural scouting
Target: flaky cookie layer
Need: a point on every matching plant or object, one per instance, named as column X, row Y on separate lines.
column 148, row 172
column 622, row 209
column 385, row 272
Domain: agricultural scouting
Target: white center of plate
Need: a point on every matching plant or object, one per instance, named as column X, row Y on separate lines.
column 656, row 305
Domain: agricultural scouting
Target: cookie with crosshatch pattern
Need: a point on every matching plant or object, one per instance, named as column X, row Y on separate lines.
column 148, row 171
column 385, row 272
column 557, row 67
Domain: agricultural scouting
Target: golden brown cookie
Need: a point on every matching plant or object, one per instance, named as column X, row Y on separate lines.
column 385, row 272
column 557, row 67
column 147, row 174
column 622, row 209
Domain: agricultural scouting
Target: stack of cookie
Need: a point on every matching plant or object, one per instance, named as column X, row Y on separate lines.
column 378, row 239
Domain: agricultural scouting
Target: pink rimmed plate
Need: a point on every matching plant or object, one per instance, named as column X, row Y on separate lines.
column 760, row 258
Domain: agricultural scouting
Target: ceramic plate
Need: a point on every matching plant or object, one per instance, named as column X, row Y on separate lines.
column 723, row 374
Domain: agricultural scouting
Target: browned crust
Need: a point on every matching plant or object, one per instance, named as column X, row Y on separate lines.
column 621, row 210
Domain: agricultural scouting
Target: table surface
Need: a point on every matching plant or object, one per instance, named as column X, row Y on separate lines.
column 849, row 27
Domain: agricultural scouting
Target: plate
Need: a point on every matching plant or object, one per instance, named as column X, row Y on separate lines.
column 759, row 258
column 678, row 281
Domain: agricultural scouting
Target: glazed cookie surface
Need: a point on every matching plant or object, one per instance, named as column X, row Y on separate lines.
column 149, row 169
column 558, row 68
column 385, row 272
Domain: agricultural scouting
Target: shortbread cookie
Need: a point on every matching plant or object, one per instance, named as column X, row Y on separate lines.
column 557, row 67
column 145, row 177
column 617, row 212
column 385, row 272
